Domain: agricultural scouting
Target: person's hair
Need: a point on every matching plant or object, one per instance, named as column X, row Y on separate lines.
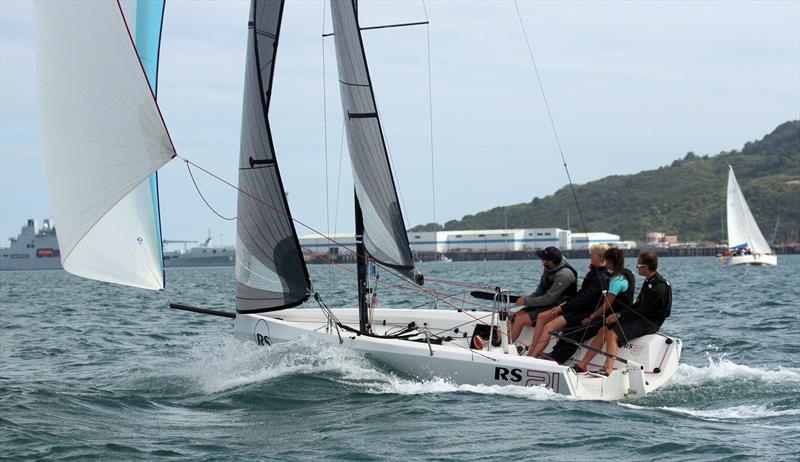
column 556, row 260
column 649, row 259
column 616, row 258
column 599, row 249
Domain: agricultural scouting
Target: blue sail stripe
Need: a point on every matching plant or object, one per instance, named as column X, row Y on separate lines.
column 149, row 17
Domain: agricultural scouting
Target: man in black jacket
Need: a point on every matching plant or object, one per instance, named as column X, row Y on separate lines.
column 588, row 298
column 644, row 317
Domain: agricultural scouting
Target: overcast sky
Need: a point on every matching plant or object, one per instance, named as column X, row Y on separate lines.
column 631, row 85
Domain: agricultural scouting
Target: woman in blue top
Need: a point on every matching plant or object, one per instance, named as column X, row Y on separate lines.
column 617, row 285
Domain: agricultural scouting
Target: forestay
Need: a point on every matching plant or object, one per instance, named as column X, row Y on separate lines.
column 742, row 227
column 103, row 138
column 270, row 271
column 384, row 230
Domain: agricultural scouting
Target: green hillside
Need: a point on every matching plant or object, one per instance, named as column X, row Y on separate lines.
column 686, row 198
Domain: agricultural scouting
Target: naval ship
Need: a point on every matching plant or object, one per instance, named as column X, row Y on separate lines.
column 206, row 254
column 33, row 249
column 37, row 249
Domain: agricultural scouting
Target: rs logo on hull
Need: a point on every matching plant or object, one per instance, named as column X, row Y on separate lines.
column 261, row 333
column 532, row 377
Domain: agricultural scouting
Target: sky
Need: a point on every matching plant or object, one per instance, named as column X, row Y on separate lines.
column 631, row 86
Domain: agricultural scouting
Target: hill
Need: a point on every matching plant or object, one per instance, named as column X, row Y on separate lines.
column 686, row 198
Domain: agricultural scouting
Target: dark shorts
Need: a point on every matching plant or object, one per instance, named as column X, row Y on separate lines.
column 534, row 311
column 629, row 329
column 575, row 316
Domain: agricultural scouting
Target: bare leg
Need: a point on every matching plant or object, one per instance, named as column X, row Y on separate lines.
column 611, row 349
column 597, row 343
column 556, row 324
column 521, row 319
column 542, row 319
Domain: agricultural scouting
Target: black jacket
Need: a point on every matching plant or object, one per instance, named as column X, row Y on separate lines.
column 588, row 297
column 654, row 302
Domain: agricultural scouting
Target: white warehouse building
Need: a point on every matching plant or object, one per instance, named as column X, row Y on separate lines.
column 586, row 240
column 481, row 240
column 489, row 240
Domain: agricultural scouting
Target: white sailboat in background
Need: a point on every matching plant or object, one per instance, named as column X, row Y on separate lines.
column 104, row 137
column 747, row 246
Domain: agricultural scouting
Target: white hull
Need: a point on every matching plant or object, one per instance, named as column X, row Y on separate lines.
column 755, row 260
column 658, row 355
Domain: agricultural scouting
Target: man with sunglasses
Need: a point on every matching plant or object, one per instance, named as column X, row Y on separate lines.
column 644, row 317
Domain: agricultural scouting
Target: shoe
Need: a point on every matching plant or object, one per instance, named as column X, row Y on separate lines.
column 579, row 369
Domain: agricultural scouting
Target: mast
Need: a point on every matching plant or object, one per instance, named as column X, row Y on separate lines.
column 362, row 261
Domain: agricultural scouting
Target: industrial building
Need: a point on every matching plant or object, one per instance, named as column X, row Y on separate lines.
column 482, row 240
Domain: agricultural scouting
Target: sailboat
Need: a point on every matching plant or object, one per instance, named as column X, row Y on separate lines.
column 104, row 138
column 747, row 245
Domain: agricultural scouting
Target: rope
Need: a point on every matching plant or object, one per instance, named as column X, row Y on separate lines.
column 460, row 283
column 201, row 194
column 437, row 295
column 275, row 209
column 550, row 116
column 429, row 303
column 385, row 268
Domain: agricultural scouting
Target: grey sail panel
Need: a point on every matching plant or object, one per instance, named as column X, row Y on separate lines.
column 270, row 271
column 384, row 230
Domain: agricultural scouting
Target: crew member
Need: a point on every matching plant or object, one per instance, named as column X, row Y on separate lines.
column 559, row 281
column 645, row 317
column 588, row 298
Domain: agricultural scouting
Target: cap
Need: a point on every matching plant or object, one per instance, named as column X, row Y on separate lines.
column 549, row 253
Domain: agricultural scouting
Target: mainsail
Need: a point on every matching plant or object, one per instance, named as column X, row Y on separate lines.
column 103, row 137
column 270, row 271
column 384, row 230
column 742, row 227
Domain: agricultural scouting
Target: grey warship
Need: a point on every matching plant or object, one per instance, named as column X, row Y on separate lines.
column 37, row 249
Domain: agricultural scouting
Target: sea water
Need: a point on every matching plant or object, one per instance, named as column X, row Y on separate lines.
column 104, row 372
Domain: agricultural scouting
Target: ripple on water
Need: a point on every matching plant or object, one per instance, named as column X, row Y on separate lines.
column 93, row 370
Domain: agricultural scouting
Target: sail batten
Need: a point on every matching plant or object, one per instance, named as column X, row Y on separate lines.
column 743, row 231
column 384, row 233
column 103, row 137
column 270, row 271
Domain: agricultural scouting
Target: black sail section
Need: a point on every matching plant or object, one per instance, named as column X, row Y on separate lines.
column 270, row 271
column 384, row 230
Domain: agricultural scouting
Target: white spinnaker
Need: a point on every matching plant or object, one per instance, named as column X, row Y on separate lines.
column 103, row 136
column 742, row 227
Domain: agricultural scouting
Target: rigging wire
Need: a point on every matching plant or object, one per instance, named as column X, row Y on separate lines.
column 389, row 270
column 325, row 126
column 430, row 111
column 203, row 197
column 550, row 117
column 325, row 137
column 339, row 181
